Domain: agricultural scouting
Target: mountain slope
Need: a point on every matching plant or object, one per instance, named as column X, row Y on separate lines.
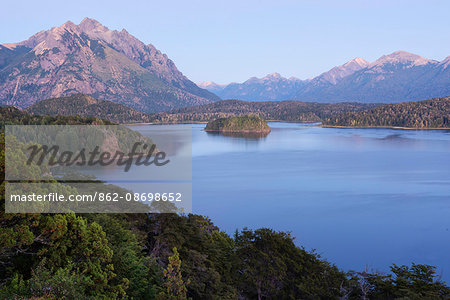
column 91, row 59
column 146, row 56
column 86, row 106
column 334, row 75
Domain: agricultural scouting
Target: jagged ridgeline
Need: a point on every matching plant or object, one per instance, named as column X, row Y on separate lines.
column 427, row 114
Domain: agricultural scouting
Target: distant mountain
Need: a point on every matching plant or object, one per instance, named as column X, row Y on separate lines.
column 397, row 77
column 432, row 113
column 212, row 86
column 91, row 59
column 400, row 76
column 86, row 106
column 270, row 87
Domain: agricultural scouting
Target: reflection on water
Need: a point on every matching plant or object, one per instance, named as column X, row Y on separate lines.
column 359, row 196
column 392, row 137
column 245, row 135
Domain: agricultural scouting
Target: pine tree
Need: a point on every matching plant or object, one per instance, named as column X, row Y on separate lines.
column 176, row 288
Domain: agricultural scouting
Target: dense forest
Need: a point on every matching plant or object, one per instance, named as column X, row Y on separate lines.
column 432, row 113
column 86, row 106
column 14, row 116
column 238, row 124
column 290, row 111
column 172, row 256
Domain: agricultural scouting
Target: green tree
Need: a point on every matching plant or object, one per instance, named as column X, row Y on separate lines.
column 175, row 286
column 272, row 266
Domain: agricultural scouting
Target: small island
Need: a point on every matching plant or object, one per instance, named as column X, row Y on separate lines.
column 239, row 124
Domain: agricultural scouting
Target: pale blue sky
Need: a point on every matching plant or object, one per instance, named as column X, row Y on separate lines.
column 232, row 40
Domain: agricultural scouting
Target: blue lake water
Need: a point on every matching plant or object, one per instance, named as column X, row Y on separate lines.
column 360, row 197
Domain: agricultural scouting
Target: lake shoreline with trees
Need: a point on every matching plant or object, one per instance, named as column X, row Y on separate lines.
column 152, row 256
column 426, row 114
column 380, row 127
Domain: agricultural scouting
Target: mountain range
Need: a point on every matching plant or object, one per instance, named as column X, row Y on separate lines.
column 113, row 65
column 397, row 77
column 270, row 87
column 91, row 59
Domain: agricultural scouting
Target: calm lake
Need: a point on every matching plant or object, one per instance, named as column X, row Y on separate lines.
column 360, row 197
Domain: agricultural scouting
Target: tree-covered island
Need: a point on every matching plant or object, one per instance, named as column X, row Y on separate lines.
column 239, row 124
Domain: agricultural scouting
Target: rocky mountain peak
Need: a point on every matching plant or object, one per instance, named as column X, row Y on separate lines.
column 337, row 73
column 402, row 57
column 357, row 61
column 273, row 76
column 269, row 77
column 69, row 25
column 92, row 59
column 90, row 25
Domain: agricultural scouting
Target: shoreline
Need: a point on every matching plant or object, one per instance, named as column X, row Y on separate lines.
column 206, row 122
column 238, row 131
column 379, row 127
column 163, row 123
column 281, row 121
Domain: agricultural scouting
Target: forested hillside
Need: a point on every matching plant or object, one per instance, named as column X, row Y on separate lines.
column 432, row 113
column 12, row 115
column 290, row 111
column 86, row 106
